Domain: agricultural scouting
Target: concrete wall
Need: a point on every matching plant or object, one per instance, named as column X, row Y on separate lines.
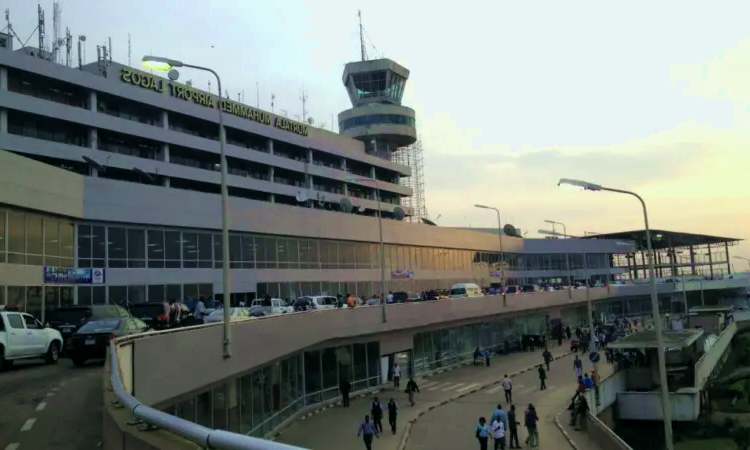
column 710, row 360
column 685, row 405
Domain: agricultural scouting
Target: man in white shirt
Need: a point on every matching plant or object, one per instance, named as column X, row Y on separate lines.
column 396, row 375
column 200, row 311
column 498, row 433
column 389, row 297
column 508, row 387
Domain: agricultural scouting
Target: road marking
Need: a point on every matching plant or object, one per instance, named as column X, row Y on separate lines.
column 495, row 389
column 12, row 446
column 28, row 425
column 436, row 387
column 62, row 384
column 431, row 383
column 453, row 387
column 50, row 394
column 469, row 387
column 55, row 389
column 41, row 406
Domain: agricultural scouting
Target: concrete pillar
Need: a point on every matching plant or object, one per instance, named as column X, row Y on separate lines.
column 4, row 78
column 270, row 173
column 343, row 164
column 692, row 261
column 710, row 262
column 3, row 120
column 309, row 155
column 729, row 264
column 92, row 101
column 166, row 181
column 165, row 152
column 372, row 172
column 93, row 138
column 346, row 189
column 270, row 146
column 271, row 198
column 165, row 120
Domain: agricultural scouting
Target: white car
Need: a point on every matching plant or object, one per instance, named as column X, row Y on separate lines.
column 324, row 301
column 278, row 306
column 217, row 315
column 24, row 337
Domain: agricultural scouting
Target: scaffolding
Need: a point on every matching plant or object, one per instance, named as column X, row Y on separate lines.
column 413, row 157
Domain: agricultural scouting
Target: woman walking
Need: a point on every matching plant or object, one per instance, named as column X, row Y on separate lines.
column 482, row 433
column 530, row 420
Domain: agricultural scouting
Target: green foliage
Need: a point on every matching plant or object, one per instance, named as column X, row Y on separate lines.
column 741, row 437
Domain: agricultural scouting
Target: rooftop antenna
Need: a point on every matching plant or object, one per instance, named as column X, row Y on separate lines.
column 209, row 87
column 257, row 96
column 130, row 49
column 303, row 97
column 109, row 49
column 68, row 47
column 226, row 91
column 362, row 47
column 239, row 97
column 56, row 30
column 40, row 28
column 81, row 50
column 273, row 97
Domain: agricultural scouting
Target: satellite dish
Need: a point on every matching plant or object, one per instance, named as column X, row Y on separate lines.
column 310, row 121
column 93, row 164
column 173, row 74
column 301, row 196
column 428, row 222
column 398, row 213
column 345, row 205
column 510, row 230
column 144, row 176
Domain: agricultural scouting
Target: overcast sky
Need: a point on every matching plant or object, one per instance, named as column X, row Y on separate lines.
column 510, row 96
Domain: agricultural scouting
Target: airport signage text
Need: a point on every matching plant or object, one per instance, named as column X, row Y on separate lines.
column 190, row 94
column 72, row 275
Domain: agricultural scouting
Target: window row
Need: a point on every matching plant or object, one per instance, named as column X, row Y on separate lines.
column 35, row 240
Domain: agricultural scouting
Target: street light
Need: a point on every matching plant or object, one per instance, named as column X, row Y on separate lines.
column 502, row 257
column 746, row 259
column 586, row 186
column 166, row 64
column 567, row 256
column 349, row 177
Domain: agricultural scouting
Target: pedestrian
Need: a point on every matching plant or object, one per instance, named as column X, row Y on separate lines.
column 588, row 382
column 376, row 409
column 482, row 433
column 411, row 388
column 542, row 377
column 345, row 387
column 396, row 375
column 508, row 387
column 567, row 331
column 486, row 354
column 476, row 355
column 582, row 411
column 547, row 358
column 392, row 412
column 498, row 434
column 367, row 430
column 530, row 420
column 578, row 367
column 499, row 414
column 513, row 427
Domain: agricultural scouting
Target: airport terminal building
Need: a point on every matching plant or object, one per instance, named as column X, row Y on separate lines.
column 109, row 193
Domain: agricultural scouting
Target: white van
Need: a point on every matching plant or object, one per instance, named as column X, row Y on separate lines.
column 464, row 290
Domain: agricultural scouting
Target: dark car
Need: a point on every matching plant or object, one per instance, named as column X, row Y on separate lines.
column 92, row 339
column 152, row 313
column 68, row 319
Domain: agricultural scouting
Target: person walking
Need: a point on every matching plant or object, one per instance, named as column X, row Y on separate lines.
column 367, row 430
column 498, row 434
column 567, row 332
column 530, row 420
column 392, row 413
column 411, row 388
column 499, row 414
column 396, row 375
column 376, row 409
column 582, row 411
column 513, row 427
column 508, row 387
column 345, row 387
column 542, row 377
column 476, row 355
column 547, row 355
column 482, row 433
column 486, row 354
column 578, row 367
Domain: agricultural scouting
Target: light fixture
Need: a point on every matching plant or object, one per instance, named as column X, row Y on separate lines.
column 550, row 233
column 159, row 63
column 482, row 206
column 578, row 184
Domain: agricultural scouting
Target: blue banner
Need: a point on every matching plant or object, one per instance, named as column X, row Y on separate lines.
column 72, row 275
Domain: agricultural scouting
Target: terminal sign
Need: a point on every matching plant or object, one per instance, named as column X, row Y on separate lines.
column 190, row 94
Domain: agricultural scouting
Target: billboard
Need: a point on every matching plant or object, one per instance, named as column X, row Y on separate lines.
column 402, row 274
column 72, row 275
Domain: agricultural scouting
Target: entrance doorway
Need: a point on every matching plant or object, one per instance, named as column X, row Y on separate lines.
column 404, row 359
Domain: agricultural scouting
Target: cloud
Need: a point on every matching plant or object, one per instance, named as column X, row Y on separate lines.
column 723, row 77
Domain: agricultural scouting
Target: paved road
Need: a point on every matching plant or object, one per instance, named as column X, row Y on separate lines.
column 46, row 407
column 337, row 427
column 451, row 425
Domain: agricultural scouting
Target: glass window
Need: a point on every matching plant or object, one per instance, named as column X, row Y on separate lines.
column 270, row 254
column 172, row 248
column 116, row 247
column 99, row 295
column 218, row 257
column 98, row 246
column 156, row 293
column 2, row 237
column 34, row 300
column 235, row 251
column 189, row 250
column 293, row 261
column 84, row 295
column 16, row 238
column 330, row 366
column 373, row 363
column 67, row 237
column 118, row 295
column 205, row 247
column 360, row 367
column 34, row 241
column 203, row 409
column 155, row 249
column 246, row 411
column 248, row 252
column 313, row 377
column 84, row 246
column 219, row 407
column 260, row 252
column 136, row 248
column 51, row 242
column 186, row 410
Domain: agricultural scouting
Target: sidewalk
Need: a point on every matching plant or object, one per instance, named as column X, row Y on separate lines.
column 337, row 427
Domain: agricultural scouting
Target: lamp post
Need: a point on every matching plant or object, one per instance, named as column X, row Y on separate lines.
column 745, row 259
column 586, row 186
column 567, row 256
column 382, row 244
column 166, row 64
column 502, row 256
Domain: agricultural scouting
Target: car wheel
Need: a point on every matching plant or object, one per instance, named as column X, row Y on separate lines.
column 3, row 363
column 53, row 353
column 78, row 361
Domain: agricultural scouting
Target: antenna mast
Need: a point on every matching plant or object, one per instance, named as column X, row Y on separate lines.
column 129, row 49
column 273, row 97
column 68, row 47
column 303, row 97
column 41, row 31
column 257, row 96
column 363, row 50
column 56, row 30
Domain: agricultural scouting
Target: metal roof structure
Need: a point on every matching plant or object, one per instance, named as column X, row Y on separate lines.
column 664, row 239
column 709, row 309
column 647, row 339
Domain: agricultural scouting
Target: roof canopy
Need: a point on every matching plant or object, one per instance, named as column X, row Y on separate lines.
column 662, row 239
column 647, row 339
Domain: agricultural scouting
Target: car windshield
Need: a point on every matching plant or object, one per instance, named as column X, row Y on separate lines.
column 73, row 315
column 100, row 326
column 146, row 310
column 512, row 289
column 458, row 291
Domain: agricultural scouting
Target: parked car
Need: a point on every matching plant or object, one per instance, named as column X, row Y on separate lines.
column 24, row 337
column 406, row 297
column 463, row 290
column 68, row 319
column 260, row 307
column 512, row 290
column 217, row 315
column 323, row 301
column 152, row 313
column 529, row 288
column 92, row 339
column 437, row 294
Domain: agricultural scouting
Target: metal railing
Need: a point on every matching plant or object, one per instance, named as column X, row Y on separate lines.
column 205, row 437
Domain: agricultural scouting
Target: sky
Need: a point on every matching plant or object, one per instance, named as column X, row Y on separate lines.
column 652, row 97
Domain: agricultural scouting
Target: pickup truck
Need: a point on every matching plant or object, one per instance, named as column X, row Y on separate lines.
column 24, row 337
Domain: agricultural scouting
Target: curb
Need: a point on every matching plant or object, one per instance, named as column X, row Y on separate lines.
column 562, row 429
column 407, row 429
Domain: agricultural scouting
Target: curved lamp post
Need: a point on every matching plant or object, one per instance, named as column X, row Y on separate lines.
column 586, row 186
column 166, row 64
column 567, row 256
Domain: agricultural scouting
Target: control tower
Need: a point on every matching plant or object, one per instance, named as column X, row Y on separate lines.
column 377, row 117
